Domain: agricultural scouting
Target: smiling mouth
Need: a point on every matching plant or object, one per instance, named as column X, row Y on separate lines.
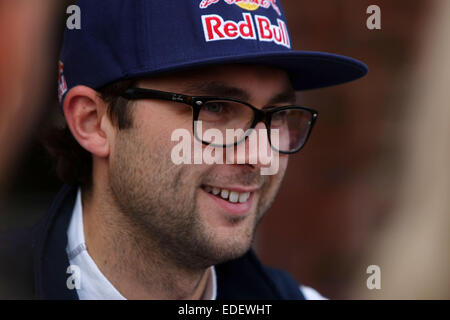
column 231, row 196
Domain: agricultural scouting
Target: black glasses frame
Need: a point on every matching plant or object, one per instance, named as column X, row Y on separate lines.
column 196, row 102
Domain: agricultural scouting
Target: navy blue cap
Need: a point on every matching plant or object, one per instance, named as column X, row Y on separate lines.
column 121, row 39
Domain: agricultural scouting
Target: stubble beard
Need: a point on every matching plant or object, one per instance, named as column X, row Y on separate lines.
column 158, row 201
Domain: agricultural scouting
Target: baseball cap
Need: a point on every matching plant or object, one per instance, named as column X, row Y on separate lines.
column 123, row 39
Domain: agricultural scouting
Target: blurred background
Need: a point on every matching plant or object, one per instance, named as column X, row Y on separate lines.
column 371, row 186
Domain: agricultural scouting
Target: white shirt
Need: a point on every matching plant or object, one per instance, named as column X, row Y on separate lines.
column 95, row 286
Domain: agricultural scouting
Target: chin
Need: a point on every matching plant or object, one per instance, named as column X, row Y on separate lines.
column 226, row 254
column 227, row 245
column 225, row 236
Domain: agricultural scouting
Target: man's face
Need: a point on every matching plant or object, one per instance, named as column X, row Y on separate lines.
column 174, row 205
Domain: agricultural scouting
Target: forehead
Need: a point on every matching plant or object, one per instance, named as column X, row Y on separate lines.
column 255, row 79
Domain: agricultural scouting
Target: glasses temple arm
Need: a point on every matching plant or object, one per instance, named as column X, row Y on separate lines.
column 140, row 93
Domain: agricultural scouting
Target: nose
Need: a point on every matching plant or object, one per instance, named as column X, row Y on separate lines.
column 255, row 150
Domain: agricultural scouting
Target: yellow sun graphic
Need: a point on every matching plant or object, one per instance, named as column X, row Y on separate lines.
column 248, row 6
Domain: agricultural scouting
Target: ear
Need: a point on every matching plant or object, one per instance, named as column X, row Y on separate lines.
column 87, row 119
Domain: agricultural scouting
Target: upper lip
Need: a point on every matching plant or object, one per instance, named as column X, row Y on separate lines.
column 233, row 188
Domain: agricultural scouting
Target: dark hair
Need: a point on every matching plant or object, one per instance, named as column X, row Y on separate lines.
column 73, row 162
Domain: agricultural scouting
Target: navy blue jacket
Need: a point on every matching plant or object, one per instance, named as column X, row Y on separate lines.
column 33, row 264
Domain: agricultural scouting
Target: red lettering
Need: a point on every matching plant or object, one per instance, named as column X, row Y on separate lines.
column 286, row 40
column 216, row 28
column 277, row 34
column 246, row 28
column 265, row 33
column 230, row 29
column 213, row 24
column 280, row 23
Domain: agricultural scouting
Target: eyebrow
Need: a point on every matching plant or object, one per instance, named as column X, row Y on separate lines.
column 287, row 96
column 216, row 88
column 220, row 89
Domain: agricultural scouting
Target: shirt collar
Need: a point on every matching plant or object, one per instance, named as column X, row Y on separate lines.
column 93, row 284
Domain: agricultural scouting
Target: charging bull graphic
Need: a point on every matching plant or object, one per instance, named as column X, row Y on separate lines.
column 250, row 5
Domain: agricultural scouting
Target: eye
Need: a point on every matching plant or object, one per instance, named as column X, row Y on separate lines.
column 214, row 107
column 279, row 116
column 225, row 111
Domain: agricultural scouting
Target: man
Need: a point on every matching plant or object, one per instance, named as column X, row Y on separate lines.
column 138, row 219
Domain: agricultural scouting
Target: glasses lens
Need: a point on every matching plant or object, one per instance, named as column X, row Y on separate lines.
column 292, row 126
column 228, row 119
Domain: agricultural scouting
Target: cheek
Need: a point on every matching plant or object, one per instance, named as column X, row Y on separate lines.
column 284, row 160
column 156, row 131
column 278, row 178
column 157, row 125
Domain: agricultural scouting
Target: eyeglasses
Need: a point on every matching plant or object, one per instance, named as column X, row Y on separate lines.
column 294, row 123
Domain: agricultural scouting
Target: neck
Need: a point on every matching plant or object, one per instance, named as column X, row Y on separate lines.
column 129, row 259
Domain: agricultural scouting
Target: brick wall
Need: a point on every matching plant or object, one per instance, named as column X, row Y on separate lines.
column 341, row 186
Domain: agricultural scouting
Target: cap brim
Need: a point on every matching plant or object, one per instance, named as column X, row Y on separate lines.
column 311, row 70
column 307, row 69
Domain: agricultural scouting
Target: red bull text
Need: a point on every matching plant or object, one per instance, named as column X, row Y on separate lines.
column 216, row 28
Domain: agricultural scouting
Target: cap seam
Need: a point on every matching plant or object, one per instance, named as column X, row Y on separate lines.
column 236, row 60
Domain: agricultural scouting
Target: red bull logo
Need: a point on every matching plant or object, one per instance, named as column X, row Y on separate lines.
column 62, row 85
column 216, row 28
column 250, row 5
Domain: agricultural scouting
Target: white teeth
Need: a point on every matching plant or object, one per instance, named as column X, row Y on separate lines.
column 244, row 197
column 224, row 193
column 234, row 196
column 231, row 196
